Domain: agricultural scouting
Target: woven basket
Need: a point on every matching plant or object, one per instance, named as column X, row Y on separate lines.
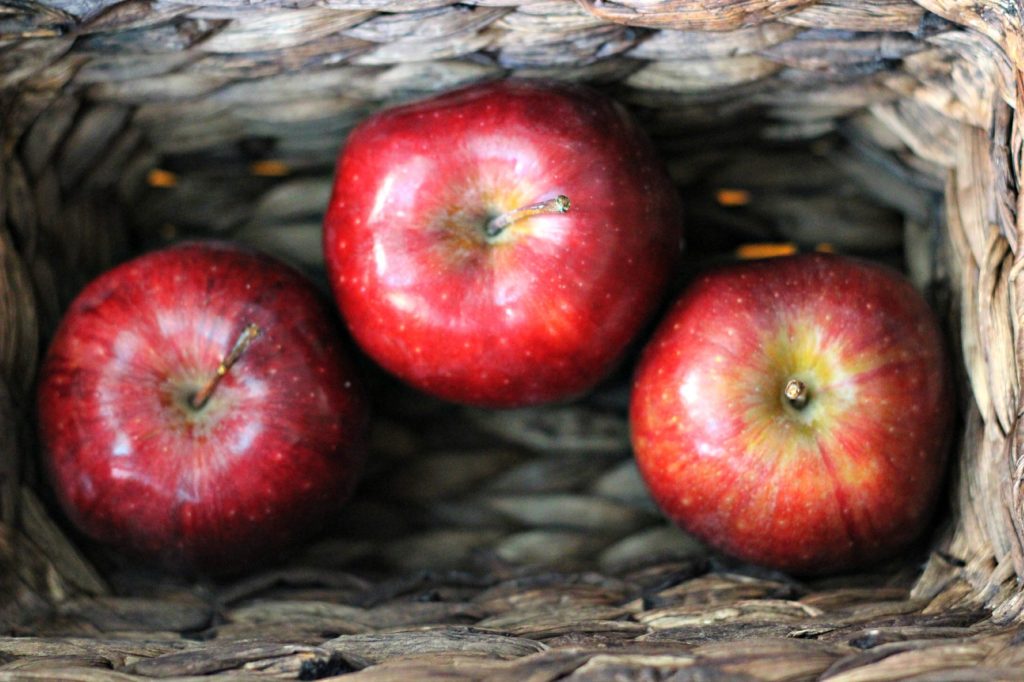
column 519, row 545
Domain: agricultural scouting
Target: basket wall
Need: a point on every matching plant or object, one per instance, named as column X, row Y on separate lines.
column 886, row 128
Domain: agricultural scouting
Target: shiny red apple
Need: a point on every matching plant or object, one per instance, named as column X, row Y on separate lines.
column 796, row 412
column 500, row 245
column 196, row 410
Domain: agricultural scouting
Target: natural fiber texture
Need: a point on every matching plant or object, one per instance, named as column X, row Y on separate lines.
column 885, row 128
column 423, row 579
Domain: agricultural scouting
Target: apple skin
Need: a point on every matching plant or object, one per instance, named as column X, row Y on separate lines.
column 266, row 461
column 541, row 312
column 847, row 480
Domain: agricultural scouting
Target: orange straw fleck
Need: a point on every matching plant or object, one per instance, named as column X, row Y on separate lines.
column 732, row 197
column 158, row 177
column 269, row 168
column 765, row 250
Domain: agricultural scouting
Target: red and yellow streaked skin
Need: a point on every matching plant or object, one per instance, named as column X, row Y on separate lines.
column 267, row 460
column 541, row 311
column 848, row 479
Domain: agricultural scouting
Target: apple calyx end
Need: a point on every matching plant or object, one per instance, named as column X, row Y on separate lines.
column 796, row 394
column 496, row 225
column 198, row 400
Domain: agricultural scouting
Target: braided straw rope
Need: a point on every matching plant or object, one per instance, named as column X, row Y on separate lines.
column 885, row 127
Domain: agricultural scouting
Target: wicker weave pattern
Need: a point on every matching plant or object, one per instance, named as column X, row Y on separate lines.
column 95, row 94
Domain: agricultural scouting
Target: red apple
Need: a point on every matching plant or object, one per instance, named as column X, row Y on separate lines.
column 153, row 449
column 796, row 412
column 501, row 244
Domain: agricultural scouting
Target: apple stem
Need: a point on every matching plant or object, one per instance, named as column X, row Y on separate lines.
column 199, row 399
column 497, row 224
column 796, row 393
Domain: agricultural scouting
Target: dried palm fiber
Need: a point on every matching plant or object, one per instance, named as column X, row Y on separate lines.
column 519, row 546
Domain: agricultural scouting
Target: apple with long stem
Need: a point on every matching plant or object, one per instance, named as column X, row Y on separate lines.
column 796, row 412
column 196, row 410
column 501, row 244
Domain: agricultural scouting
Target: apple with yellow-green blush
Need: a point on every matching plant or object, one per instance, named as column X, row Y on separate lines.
column 796, row 412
